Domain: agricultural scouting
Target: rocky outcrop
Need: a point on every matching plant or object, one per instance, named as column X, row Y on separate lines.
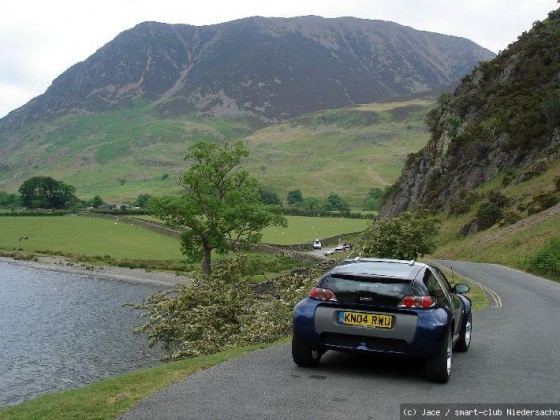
column 505, row 115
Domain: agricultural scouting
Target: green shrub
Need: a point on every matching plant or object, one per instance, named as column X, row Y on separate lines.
column 510, row 217
column 497, row 198
column 509, row 176
column 547, row 260
column 487, row 215
column 543, row 201
column 407, row 236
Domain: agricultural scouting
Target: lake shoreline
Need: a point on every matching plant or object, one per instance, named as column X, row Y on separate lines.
column 130, row 275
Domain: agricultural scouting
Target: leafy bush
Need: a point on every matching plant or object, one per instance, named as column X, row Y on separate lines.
column 511, row 217
column 497, row 198
column 547, row 260
column 461, row 202
column 407, row 236
column 487, row 215
column 222, row 310
column 509, row 176
column 373, row 199
column 542, row 201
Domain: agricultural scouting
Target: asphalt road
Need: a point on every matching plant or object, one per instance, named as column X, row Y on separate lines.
column 514, row 358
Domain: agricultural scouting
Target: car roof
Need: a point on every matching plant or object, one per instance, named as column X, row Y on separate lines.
column 382, row 267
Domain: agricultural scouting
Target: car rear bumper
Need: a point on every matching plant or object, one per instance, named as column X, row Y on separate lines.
column 415, row 334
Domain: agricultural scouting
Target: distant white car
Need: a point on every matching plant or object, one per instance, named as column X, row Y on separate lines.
column 343, row 247
column 316, row 244
column 340, row 248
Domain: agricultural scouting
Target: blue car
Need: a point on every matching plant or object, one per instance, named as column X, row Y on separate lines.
column 392, row 307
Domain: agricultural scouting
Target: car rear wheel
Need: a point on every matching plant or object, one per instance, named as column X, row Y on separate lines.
column 465, row 335
column 304, row 355
column 438, row 368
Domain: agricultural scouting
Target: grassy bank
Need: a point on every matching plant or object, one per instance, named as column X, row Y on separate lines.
column 111, row 397
column 512, row 245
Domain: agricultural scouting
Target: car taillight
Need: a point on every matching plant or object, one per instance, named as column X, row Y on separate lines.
column 417, row 302
column 322, row 294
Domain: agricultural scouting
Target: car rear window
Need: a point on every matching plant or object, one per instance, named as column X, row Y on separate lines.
column 376, row 269
column 378, row 286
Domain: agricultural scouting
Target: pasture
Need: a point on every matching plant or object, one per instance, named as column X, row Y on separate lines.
column 86, row 236
column 98, row 238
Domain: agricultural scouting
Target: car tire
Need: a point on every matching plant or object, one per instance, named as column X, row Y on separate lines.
column 304, row 355
column 438, row 368
column 465, row 335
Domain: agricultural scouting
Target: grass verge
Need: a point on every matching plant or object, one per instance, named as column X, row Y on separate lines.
column 111, row 397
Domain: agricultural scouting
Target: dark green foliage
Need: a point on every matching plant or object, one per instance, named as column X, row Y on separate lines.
column 452, row 126
column 96, row 202
column 461, row 202
column 547, row 259
column 509, row 175
column 409, row 235
column 373, row 199
column 220, row 207
column 334, row 202
column 557, row 183
column 269, row 197
column 312, row 204
column 488, row 214
column 543, row 201
column 142, row 200
column 9, row 199
column 432, row 118
column 510, row 217
column 551, row 109
column 46, row 192
column 498, row 198
column 294, row 197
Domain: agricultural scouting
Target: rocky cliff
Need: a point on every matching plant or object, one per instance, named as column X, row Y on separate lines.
column 503, row 117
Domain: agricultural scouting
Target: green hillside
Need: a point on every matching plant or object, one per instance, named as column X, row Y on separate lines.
column 344, row 151
column 126, row 152
column 509, row 243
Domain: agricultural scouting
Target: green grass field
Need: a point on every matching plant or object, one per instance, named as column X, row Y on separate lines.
column 87, row 236
column 306, row 229
column 96, row 237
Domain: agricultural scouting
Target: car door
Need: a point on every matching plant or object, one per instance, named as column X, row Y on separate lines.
column 437, row 289
column 456, row 303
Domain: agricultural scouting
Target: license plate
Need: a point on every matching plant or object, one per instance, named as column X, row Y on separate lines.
column 365, row 320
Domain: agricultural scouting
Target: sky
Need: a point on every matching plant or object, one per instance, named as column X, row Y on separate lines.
column 40, row 39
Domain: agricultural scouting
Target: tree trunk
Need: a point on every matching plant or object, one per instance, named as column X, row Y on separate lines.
column 206, row 260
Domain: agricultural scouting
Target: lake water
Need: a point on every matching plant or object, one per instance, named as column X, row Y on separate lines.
column 61, row 331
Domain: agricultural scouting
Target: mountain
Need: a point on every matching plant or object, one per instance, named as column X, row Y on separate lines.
column 119, row 123
column 503, row 120
column 270, row 69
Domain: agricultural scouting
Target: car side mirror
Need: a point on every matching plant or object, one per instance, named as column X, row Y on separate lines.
column 461, row 288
